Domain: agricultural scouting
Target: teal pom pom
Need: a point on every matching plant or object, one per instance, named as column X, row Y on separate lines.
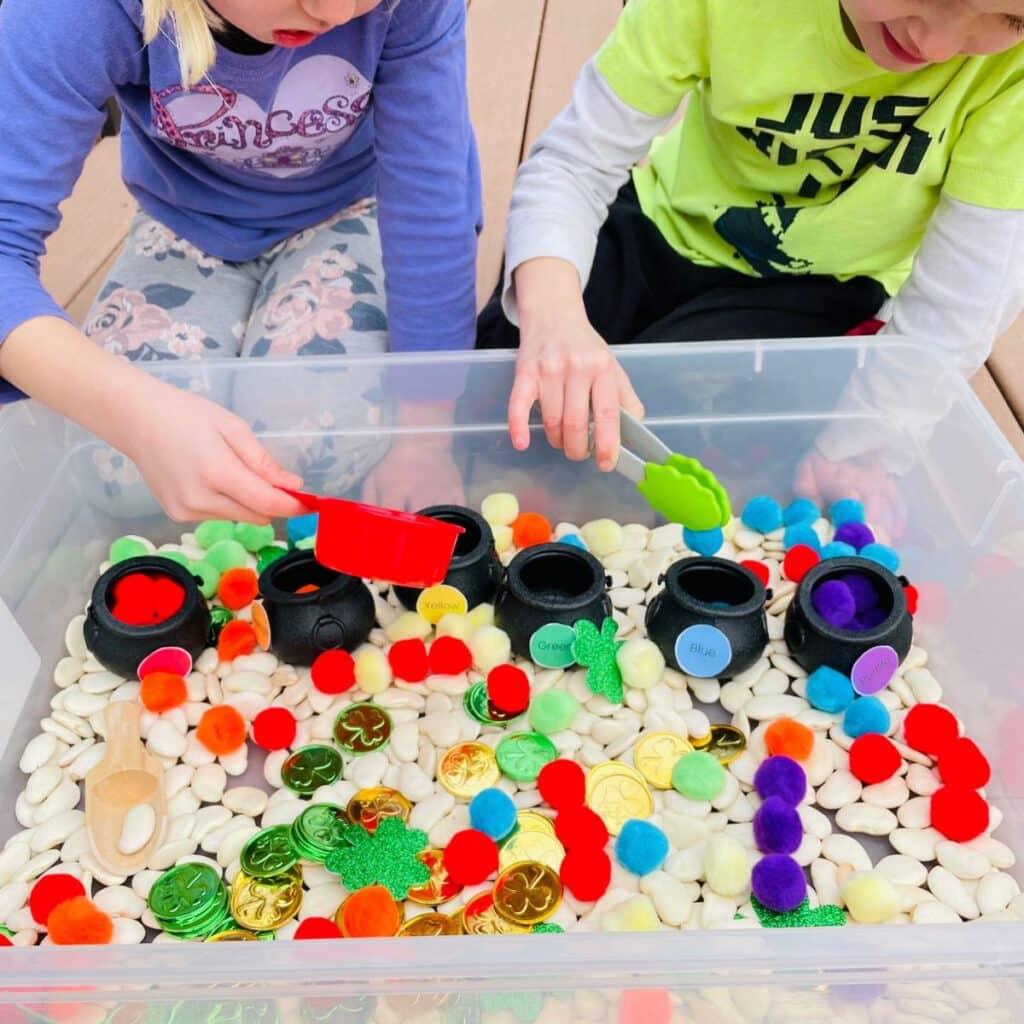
column 492, row 812
column 574, row 540
column 763, row 514
column 641, row 847
column 801, row 533
column 704, row 542
column 849, row 510
column 829, row 690
column 803, row 510
column 881, row 554
column 866, row 715
column 837, row 549
column 301, row 527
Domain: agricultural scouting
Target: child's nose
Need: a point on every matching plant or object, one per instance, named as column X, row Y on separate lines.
column 938, row 42
column 330, row 12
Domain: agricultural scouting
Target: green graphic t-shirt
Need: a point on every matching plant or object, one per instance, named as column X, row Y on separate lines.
column 799, row 155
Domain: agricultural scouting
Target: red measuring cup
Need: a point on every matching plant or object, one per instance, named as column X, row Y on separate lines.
column 381, row 543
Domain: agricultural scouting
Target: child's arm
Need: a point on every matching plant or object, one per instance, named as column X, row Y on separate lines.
column 57, row 68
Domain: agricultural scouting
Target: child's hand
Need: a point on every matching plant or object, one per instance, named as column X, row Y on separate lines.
column 203, row 462
column 565, row 365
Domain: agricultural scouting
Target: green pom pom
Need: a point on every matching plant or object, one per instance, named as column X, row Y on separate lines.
column 552, row 711
column 269, row 555
column 698, row 776
column 211, row 531
column 209, row 577
column 127, row 547
column 306, row 544
column 226, row 554
column 175, row 556
column 252, row 537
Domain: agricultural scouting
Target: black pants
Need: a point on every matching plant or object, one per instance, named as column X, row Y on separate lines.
column 642, row 290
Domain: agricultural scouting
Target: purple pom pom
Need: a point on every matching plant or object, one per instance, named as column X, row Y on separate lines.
column 865, row 594
column 778, row 882
column 833, row 601
column 783, row 777
column 777, row 827
column 868, row 619
column 856, row 534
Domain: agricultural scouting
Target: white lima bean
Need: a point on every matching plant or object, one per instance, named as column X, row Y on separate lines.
column 136, row 829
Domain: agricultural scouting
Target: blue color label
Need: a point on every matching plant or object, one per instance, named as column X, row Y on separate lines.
column 703, row 651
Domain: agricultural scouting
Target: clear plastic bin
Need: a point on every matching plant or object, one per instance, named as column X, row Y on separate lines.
column 751, row 411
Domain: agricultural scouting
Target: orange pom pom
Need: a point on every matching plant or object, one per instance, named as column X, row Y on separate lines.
column 307, row 588
column 789, row 738
column 529, row 528
column 237, row 588
column 162, row 691
column 369, row 913
column 79, row 922
column 221, row 730
column 236, row 638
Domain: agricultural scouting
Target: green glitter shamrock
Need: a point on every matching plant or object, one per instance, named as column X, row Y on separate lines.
column 828, row 916
column 596, row 651
column 386, row 857
column 524, row 1006
column 684, row 492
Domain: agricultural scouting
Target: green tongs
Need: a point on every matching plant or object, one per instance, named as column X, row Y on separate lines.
column 677, row 486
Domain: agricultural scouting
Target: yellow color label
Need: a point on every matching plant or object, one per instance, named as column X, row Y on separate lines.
column 435, row 602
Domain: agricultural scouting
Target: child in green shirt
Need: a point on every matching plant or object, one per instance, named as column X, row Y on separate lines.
column 834, row 155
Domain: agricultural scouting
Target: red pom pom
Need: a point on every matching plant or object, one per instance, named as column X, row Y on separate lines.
column 930, row 728
column 333, row 672
column 470, row 857
column 586, row 873
column 50, row 892
column 408, row 660
column 959, row 813
column 874, row 758
column 168, row 597
column 4, row 941
column 134, row 590
column 449, row 656
column 645, row 1006
column 962, row 763
column 759, row 569
column 912, row 596
column 274, row 729
column 562, row 784
column 317, row 928
column 580, row 827
column 799, row 561
column 509, row 689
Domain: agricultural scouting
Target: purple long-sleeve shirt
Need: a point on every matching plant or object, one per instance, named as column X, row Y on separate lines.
column 266, row 146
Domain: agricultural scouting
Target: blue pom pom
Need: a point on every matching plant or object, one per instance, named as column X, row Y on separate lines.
column 704, row 542
column 829, row 690
column 866, row 715
column 837, row 549
column 574, row 540
column 641, row 847
column 803, row 510
column 849, row 510
column 763, row 514
column 302, row 527
column 492, row 812
column 882, row 554
column 801, row 533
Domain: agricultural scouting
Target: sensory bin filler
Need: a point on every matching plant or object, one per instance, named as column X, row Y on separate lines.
column 472, row 721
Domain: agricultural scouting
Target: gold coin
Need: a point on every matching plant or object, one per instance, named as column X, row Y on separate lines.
column 534, row 821
column 264, row 904
column 726, row 743
column 431, row 924
column 468, row 768
column 656, row 754
column 700, row 742
column 607, row 769
column 234, row 935
column 539, row 847
column 478, row 917
column 619, row 796
column 440, row 888
column 369, row 806
column 527, row 893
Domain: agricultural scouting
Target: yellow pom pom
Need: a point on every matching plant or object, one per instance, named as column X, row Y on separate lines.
column 870, row 897
column 726, row 865
column 637, row 914
column 373, row 673
column 502, row 538
column 500, row 509
column 602, row 536
column 490, row 646
column 641, row 663
column 407, row 626
column 481, row 615
column 454, row 625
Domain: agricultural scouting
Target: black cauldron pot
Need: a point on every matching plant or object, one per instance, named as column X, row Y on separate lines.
column 722, row 598
column 338, row 614
column 120, row 647
column 550, row 583
column 475, row 569
column 813, row 641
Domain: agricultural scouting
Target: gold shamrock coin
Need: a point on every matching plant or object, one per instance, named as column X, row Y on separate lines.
column 725, row 743
column 370, row 806
column 431, row 924
column 534, row 821
column 467, row 768
column 478, row 917
column 538, row 847
column 527, row 893
column 656, row 754
column 264, row 904
column 233, row 935
column 440, row 888
column 618, row 794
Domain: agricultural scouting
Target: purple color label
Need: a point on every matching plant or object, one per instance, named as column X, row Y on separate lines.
column 873, row 670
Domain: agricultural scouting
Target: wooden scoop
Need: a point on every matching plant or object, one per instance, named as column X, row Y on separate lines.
column 127, row 776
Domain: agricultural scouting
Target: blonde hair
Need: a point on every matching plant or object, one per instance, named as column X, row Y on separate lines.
column 192, row 21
